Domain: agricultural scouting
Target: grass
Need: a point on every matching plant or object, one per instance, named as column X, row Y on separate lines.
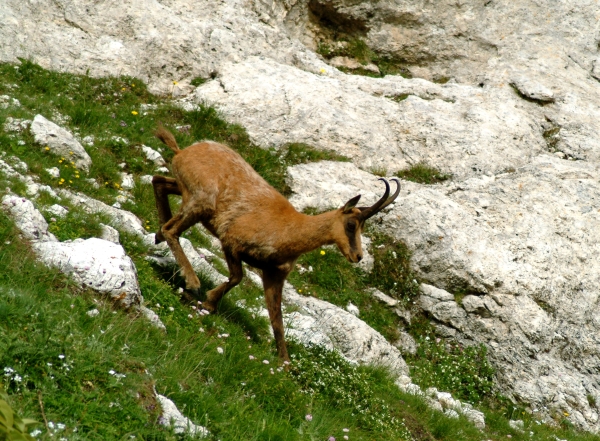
column 357, row 48
column 423, row 173
column 94, row 376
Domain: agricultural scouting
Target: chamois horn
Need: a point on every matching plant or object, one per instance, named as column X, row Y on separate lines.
column 368, row 212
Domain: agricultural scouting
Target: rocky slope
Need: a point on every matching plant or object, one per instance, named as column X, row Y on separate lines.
column 514, row 231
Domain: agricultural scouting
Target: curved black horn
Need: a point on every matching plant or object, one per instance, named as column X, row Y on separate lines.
column 367, row 212
column 393, row 197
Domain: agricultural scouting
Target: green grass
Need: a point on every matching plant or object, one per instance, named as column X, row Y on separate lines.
column 66, row 361
column 357, row 48
column 423, row 173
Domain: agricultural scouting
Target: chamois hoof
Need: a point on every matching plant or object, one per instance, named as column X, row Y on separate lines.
column 191, row 295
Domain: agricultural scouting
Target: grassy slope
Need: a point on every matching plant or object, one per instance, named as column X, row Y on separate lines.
column 63, row 359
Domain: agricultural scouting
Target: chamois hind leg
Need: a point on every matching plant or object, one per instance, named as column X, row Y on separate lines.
column 236, row 273
column 163, row 187
column 273, row 281
column 171, row 232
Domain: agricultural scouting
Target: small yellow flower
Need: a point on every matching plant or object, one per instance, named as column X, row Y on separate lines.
column 123, row 89
column 70, row 182
column 323, row 70
column 322, row 252
column 147, row 227
column 70, row 153
column 132, row 84
column 77, row 176
column 566, row 414
column 175, row 83
column 47, row 148
column 106, row 183
column 133, row 112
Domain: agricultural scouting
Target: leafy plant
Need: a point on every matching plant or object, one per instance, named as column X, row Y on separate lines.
column 12, row 426
column 391, row 270
column 464, row 371
column 320, row 371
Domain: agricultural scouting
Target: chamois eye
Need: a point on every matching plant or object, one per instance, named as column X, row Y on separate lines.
column 351, row 227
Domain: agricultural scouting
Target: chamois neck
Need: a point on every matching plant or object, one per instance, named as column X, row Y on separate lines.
column 307, row 233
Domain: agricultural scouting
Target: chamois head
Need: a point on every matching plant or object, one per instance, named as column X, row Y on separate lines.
column 348, row 230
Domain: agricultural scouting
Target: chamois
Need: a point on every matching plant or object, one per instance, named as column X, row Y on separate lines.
column 253, row 221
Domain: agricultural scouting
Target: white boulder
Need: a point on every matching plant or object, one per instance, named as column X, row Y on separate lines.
column 60, row 141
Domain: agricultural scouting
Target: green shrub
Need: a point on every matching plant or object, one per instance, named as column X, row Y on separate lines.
column 320, row 371
column 12, row 426
column 464, row 371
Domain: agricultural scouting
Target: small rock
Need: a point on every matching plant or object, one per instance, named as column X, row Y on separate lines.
column 54, row 172
column 384, row 298
column 109, row 233
column 517, row 425
column 60, row 142
column 406, row 343
column 88, row 140
column 93, row 312
column 352, row 309
column 532, row 89
column 57, row 210
column 451, row 413
column 127, row 182
column 154, row 156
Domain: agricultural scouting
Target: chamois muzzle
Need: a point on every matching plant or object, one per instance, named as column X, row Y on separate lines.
column 367, row 212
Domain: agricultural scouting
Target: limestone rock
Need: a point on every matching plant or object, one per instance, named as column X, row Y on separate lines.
column 127, row 182
column 383, row 298
column 99, row 264
column 171, row 416
column 120, row 218
column 109, row 234
column 30, row 221
column 533, row 90
column 57, row 210
column 96, row 263
column 60, row 141
column 510, row 239
column 154, row 156
column 319, row 322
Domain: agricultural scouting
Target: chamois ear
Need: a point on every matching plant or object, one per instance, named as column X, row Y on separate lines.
column 351, row 204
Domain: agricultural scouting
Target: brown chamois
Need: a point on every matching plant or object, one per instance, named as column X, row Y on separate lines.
column 253, row 221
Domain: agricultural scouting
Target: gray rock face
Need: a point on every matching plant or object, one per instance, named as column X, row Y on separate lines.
column 523, row 244
column 60, row 142
column 319, row 322
column 169, row 41
column 459, row 127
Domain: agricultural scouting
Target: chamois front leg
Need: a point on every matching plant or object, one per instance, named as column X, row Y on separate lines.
column 236, row 273
column 171, row 232
column 163, row 187
column 273, row 280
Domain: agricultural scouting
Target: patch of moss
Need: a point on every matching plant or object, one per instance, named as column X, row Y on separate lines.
column 423, row 173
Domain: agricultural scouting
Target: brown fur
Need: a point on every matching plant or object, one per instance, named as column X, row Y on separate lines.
column 254, row 223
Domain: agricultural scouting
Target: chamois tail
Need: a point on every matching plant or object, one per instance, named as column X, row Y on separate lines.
column 167, row 137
